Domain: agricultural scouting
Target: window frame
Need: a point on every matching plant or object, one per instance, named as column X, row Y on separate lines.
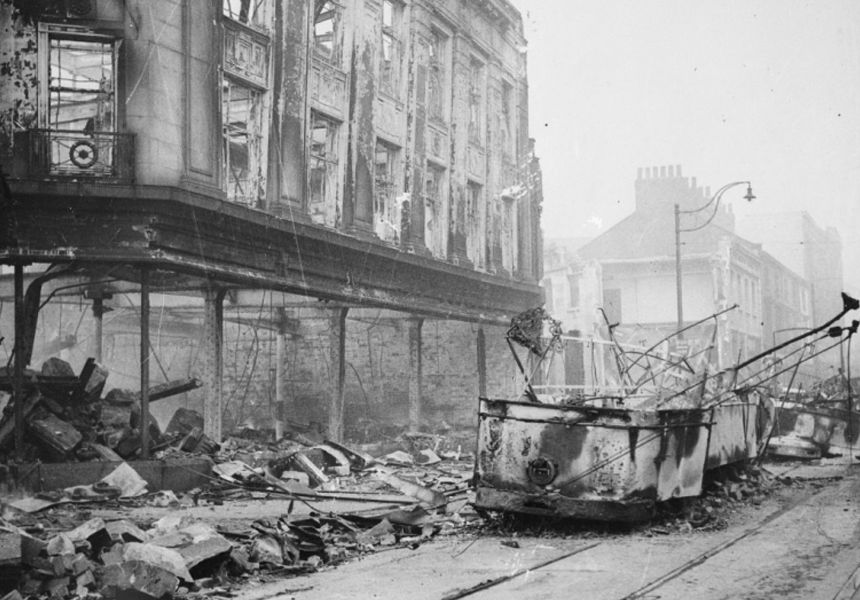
column 329, row 160
column 477, row 100
column 255, row 156
column 333, row 57
column 438, row 71
column 258, row 19
column 47, row 32
column 437, row 201
column 385, row 205
column 390, row 79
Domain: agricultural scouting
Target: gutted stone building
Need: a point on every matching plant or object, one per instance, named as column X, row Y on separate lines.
column 627, row 276
column 300, row 191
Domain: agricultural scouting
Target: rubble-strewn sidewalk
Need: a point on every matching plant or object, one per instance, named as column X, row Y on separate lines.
column 269, row 510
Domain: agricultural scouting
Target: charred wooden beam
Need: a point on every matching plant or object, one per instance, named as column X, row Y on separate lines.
column 172, row 388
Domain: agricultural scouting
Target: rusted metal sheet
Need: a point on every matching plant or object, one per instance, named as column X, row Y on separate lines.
column 738, row 428
column 588, row 462
column 804, row 430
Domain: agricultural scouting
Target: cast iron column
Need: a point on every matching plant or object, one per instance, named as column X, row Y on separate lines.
column 482, row 363
column 337, row 360
column 678, row 285
column 144, row 363
column 18, row 383
column 415, row 325
column 280, row 375
column 213, row 302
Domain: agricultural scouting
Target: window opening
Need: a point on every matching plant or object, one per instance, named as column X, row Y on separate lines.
column 322, row 178
column 326, row 30
column 473, row 201
column 434, row 202
column 385, row 207
column 389, row 71
column 438, row 76
column 78, row 105
column 476, row 101
column 81, row 88
column 241, row 110
column 247, row 12
column 475, row 241
column 507, row 122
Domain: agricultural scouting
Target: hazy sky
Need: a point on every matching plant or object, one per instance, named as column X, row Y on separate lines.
column 764, row 90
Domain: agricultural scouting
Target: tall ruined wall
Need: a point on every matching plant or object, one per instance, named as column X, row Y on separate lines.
column 377, row 357
column 377, row 374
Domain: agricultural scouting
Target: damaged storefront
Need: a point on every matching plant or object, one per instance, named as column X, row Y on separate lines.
column 292, row 222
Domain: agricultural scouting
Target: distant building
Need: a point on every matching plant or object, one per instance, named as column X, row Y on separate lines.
column 812, row 252
column 628, row 274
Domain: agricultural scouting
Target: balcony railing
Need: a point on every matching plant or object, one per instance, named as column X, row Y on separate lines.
column 99, row 154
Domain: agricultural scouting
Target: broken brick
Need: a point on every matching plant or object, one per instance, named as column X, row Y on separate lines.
column 60, row 544
column 140, row 576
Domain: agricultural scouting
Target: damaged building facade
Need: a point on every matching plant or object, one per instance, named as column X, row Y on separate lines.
column 327, row 212
column 629, row 271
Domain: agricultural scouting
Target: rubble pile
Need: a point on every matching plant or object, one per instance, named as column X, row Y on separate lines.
column 726, row 490
column 53, row 548
column 67, row 418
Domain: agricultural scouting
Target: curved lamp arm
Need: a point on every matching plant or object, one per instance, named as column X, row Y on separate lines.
column 716, row 201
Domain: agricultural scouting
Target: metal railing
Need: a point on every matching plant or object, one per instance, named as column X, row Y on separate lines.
column 65, row 153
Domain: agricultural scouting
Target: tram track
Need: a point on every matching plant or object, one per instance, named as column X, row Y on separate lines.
column 694, row 562
column 647, row 590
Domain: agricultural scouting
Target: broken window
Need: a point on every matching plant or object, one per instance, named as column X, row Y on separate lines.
column 475, row 241
column 247, row 12
column 327, row 31
column 243, row 160
column 473, row 200
column 245, row 80
column 438, row 76
column 434, row 208
column 81, row 85
column 508, row 233
column 389, row 69
column 476, row 99
column 78, row 100
column 385, row 205
column 323, row 173
column 507, row 122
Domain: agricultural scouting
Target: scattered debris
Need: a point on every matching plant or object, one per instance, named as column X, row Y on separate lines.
column 66, row 557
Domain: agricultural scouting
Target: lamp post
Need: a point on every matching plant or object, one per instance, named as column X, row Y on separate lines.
column 715, row 200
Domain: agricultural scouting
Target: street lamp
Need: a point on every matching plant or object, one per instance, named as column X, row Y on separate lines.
column 715, row 200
